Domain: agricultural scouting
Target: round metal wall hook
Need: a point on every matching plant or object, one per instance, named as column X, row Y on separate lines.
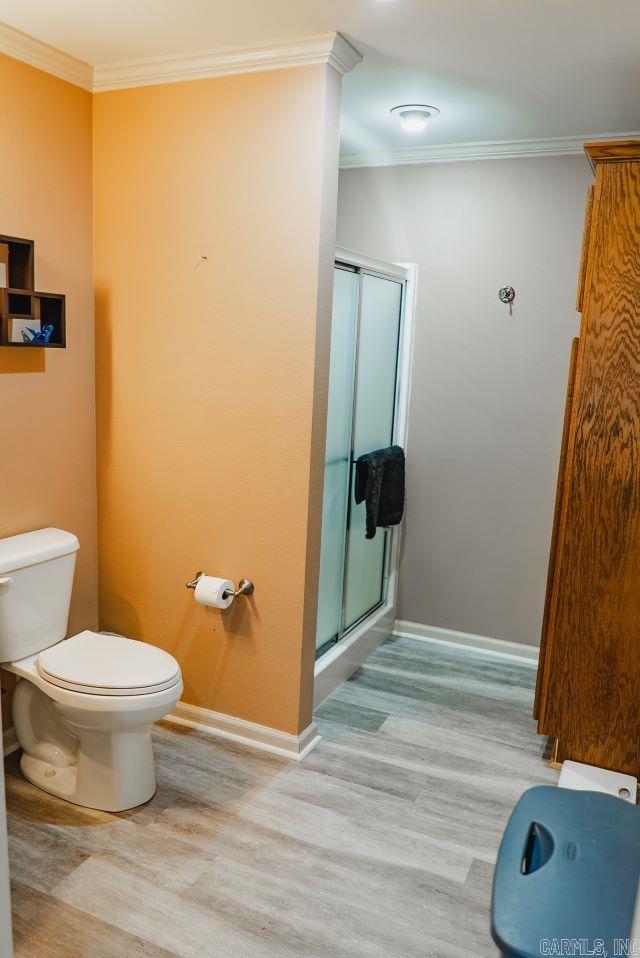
column 507, row 295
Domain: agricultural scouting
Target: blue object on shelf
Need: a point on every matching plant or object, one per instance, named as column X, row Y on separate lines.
column 41, row 335
column 567, row 875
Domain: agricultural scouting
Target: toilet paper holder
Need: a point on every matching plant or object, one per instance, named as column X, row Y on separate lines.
column 245, row 586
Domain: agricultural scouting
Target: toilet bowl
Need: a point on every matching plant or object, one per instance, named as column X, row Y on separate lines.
column 85, row 735
column 84, row 706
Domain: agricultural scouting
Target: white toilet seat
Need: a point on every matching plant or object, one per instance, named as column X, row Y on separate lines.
column 97, row 664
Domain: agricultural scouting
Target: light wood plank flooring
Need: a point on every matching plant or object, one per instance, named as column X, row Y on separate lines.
column 380, row 845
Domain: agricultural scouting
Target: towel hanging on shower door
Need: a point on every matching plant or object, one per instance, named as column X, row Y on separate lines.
column 380, row 484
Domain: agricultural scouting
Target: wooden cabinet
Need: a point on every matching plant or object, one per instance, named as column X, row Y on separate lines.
column 588, row 691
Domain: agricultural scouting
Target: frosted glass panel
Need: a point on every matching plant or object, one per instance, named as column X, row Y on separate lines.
column 338, row 454
column 375, row 391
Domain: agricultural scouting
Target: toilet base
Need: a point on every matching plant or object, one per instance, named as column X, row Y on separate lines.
column 70, row 783
column 95, row 757
column 52, row 779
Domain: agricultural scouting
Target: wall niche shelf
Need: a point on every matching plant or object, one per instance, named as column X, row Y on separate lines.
column 28, row 319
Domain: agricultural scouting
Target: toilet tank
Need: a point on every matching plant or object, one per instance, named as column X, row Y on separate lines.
column 36, row 577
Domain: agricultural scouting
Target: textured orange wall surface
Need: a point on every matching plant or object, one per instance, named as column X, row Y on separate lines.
column 47, row 428
column 208, row 371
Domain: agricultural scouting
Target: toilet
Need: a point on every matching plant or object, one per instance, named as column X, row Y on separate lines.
column 84, row 706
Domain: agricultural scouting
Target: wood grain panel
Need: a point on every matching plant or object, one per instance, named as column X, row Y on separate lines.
column 584, row 258
column 546, row 654
column 593, row 706
column 615, row 151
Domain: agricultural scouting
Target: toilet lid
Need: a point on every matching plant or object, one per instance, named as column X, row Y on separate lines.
column 108, row 665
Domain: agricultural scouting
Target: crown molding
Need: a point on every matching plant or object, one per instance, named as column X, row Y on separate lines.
column 343, row 56
column 483, row 150
column 22, row 47
column 331, row 48
column 616, row 151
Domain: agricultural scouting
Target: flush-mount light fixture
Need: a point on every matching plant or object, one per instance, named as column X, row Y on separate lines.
column 414, row 116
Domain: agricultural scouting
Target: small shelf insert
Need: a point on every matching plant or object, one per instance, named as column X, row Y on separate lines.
column 28, row 319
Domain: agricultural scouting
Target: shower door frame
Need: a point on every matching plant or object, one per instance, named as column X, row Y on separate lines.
column 361, row 639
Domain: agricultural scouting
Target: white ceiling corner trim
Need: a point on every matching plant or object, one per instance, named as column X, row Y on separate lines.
column 483, row 150
column 343, row 56
column 37, row 54
column 331, row 48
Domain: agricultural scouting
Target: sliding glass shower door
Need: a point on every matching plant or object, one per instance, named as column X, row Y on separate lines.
column 337, row 465
column 367, row 311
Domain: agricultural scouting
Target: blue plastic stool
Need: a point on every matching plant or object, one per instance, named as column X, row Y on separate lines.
column 567, row 876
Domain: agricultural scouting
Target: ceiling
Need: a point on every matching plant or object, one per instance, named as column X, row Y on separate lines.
column 497, row 69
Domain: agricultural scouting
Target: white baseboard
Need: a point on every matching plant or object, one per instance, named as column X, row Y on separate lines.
column 515, row 651
column 272, row 740
column 10, row 741
column 295, row 747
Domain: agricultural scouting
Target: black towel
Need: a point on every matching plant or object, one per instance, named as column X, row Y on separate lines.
column 380, row 483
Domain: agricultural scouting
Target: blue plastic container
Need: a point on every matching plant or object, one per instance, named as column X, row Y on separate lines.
column 567, row 875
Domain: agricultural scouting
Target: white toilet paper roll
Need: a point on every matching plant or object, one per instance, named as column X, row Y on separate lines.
column 210, row 591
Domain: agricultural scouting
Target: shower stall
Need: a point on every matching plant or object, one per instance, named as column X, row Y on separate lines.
column 367, row 410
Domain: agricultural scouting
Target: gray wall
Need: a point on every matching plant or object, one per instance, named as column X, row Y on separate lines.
column 488, row 388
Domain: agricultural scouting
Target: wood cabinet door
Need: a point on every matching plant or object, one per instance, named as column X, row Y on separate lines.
column 592, row 702
column 546, row 647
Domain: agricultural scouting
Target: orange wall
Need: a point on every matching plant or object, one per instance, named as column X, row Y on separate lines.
column 209, row 371
column 47, row 429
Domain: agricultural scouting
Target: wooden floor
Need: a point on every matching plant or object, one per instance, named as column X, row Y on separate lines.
column 379, row 845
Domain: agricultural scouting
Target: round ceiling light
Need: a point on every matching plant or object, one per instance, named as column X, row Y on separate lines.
column 414, row 116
